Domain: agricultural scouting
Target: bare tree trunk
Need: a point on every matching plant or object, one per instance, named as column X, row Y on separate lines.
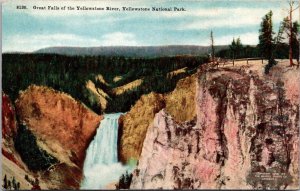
column 291, row 34
column 212, row 46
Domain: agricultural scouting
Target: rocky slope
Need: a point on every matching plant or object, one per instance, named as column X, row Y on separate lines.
column 62, row 127
column 134, row 124
column 9, row 124
column 9, row 132
column 169, row 155
column 180, row 103
column 12, row 164
column 246, row 134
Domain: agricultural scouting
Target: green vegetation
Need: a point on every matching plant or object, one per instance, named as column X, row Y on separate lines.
column 271, row 45
column 70, row 74
column 244, row 52
column 267, row 41
column 12, row 184
column 132, row 162
column 35, row 158
column 236, row 48
column 290, row 30
column 124, row 181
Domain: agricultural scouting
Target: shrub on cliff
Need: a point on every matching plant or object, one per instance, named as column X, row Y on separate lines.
column 271, row 63
column 124, row 181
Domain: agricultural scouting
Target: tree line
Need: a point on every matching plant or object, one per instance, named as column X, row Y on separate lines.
column 271, row 46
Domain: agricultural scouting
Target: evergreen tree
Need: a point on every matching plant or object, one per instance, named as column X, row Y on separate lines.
column 233, row 50
column 279, row 44
column 8, row 185
column 266, row 40
column 14, row 183
column 292, row 35
column 121, row 181
column 18, row 186
column 26, row 177
column 239, row 48
column 236, row 48
column 5, row 182
column 280, row 35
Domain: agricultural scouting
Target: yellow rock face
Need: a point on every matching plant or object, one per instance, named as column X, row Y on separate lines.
column 63, row 127
column 121, row 89
column 134, row 125
column 181, row 102
column 58, row 121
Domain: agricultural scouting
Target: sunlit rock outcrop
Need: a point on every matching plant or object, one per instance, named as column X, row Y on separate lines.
column 180, row 103
column 63, row 128
column 9, row 131
column 134, row 125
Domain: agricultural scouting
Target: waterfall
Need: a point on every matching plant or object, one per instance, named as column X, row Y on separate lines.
column 101, row 166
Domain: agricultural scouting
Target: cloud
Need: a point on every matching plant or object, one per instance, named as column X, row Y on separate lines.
column 250, row 38
column 246, row 38
column 230, row 18
column 34, row 42
column 119, row 38
column 162, row 27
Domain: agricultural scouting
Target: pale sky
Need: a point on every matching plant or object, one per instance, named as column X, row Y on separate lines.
column 29, row 30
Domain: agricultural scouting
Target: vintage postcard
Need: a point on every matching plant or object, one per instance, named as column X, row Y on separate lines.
column 101, row 94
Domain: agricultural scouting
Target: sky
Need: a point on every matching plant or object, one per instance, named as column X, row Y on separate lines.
column 31, row 29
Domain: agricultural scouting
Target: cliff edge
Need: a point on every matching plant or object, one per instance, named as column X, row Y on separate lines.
column 246, row 134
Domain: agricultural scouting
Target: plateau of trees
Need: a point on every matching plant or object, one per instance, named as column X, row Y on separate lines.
column 71, row 73
column 271, row 46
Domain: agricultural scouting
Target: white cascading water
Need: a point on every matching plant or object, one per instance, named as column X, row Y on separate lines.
column 101, row 166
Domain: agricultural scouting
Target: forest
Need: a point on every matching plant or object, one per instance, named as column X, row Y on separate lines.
column 69, row 74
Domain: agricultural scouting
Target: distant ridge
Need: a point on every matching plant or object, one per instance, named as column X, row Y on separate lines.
column 131, row 51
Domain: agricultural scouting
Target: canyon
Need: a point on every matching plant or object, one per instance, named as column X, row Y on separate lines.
column 221, row 128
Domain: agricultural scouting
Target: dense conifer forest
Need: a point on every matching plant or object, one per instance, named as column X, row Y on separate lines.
column 70, row 74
